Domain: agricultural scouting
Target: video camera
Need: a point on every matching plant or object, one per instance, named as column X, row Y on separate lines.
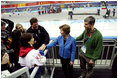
column 4, row 35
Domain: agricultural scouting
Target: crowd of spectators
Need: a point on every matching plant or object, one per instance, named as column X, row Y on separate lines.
column 12, row 43
column 56, row 8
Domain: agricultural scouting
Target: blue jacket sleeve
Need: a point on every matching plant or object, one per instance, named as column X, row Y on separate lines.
column 73, row 50
column 52, row 44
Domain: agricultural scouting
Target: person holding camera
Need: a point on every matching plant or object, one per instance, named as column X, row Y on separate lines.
column 7, row 25
column 6, row 51
column 6, row 31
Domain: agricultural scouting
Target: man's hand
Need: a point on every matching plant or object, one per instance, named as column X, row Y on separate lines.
column 5, row 59
column 91, row 62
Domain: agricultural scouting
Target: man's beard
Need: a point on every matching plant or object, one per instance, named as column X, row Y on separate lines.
column 88, row 29
column 35, row 28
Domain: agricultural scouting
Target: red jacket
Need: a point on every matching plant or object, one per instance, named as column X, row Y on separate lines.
column 24, row 51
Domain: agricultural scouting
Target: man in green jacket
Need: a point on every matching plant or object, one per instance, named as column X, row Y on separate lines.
column 91, row 48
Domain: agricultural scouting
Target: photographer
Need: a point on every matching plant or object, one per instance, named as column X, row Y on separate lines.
column 6, row 51
column 9, row 25
column 6, row 57
column 6, row 31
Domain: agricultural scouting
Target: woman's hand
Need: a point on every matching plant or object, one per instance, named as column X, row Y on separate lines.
column 71, row 63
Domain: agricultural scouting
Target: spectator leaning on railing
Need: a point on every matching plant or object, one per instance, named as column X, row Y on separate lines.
column 91, row 48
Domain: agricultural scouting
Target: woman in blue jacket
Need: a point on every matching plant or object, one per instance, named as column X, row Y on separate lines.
column 67, row 49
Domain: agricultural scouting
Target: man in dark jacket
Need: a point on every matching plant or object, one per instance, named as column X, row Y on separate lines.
column 40, row 35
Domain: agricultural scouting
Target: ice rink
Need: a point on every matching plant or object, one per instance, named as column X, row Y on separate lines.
column 51, row 22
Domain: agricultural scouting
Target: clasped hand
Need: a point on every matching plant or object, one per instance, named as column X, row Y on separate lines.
column 43, row 46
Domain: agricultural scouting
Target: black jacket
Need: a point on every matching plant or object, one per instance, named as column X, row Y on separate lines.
column 41, row 36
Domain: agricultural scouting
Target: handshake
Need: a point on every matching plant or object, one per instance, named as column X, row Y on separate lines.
column 43, row 46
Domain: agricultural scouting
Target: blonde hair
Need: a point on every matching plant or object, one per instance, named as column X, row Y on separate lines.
column 18, row 25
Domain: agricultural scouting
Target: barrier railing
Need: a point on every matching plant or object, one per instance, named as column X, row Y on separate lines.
column 108, row 53
column 36, row 68
column 24, row 72
column 104, row 61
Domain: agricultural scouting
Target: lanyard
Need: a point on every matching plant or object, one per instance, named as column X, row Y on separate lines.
column 91, row 33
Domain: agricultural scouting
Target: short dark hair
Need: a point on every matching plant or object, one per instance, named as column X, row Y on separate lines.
column 65, row 28
column 25, row 38
column 90, row 19
column 33, row 20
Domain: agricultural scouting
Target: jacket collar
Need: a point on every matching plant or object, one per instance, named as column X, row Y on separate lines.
column 68, row 40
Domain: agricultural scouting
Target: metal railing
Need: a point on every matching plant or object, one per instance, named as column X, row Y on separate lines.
column 104, row 61
column 23, row 72
column 36, row 68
